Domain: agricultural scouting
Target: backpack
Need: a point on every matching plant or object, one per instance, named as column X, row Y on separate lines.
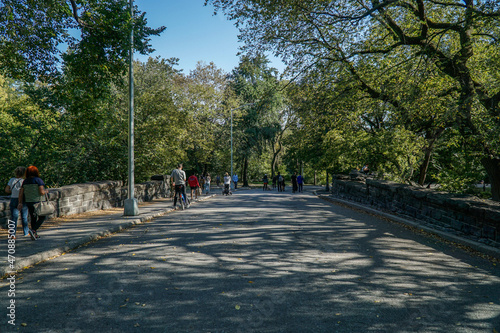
column 280, row 178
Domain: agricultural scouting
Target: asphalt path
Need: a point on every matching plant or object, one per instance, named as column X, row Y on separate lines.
column 259, row 262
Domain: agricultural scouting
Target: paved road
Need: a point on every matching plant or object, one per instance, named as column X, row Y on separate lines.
column 260, row 262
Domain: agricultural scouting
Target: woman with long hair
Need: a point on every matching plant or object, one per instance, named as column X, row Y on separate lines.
column 33, row 191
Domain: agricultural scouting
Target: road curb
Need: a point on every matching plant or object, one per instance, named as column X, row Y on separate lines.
column 479, row 247
column 129, row 222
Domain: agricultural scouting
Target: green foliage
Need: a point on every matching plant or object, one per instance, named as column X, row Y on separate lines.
column 427, row 67
column 27, row 131
column 34, row 32
column 258, row 124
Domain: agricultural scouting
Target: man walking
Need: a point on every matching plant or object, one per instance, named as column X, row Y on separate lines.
column 300, row 182
column 178, row 177
column 194, row 185
column 235, row 181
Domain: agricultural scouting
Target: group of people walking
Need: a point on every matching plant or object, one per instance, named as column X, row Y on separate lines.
column 197, row 184
column 26, row 189
column 278, row 181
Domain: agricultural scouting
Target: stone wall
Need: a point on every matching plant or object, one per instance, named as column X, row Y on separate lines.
column 462, row 214
column 81, row 198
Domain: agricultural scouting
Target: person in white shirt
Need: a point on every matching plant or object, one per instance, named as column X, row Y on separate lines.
column 227, row 182
column 12, row 188
column 207, row 183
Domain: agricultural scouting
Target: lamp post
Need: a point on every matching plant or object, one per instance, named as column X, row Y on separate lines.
column 131, row 208
column 239, row 107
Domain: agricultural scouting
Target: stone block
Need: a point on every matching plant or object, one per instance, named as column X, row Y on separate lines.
column 471, row 230
column 411, row 211
column 489, row 232
column 448, row 220
column 437, row 198
column 458, row 203
column 4, row 204
column 88, row 196
column 454, row 224
column 64, row 211
column 492, row 215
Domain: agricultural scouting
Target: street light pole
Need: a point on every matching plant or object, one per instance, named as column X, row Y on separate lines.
column 131, row 208
column 230, row 182
column 239, row 107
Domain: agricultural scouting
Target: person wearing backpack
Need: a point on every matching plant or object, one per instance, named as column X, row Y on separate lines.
column 280, row 182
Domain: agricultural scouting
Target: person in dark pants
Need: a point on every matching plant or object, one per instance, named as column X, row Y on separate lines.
column 178, row 179
column 300, row 182
column 32, row 191
column 294, row 182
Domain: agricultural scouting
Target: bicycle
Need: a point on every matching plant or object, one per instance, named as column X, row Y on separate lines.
column 183, row 200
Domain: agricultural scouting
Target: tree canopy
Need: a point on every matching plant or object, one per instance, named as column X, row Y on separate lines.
column 409, row 87
column 388, row 51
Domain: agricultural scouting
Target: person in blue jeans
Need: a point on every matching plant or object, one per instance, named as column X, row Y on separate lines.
column 33, row 191
column 12, row 188
column 235, row 181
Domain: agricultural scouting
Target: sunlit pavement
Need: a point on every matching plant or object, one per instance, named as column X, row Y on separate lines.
column 260, row 262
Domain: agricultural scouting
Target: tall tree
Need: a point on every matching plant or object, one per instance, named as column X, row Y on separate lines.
column 256, row 84
column 451, row 36
column 34, row 33
column 202, row 96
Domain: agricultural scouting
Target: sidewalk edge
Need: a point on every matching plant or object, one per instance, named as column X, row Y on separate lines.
column 32, row 260
column 483, row 248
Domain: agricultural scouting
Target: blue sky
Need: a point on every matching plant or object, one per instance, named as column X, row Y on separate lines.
column 193, row 34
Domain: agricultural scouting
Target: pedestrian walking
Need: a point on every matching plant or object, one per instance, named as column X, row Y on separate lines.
column 207, row 184
column 13, row 187
column 235, row 181
column 265, row 181
column 32, row 191
column 300, row 182
column 280, row 182
column 201, row 179
column 217, row 179
column 227, row 183
column 178, row 177
column 194, row 185
column 275, row 178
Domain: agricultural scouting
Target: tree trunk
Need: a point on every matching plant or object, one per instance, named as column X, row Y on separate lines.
column 245, row 171
column 425, row 166
column 275, row 159
column 492, row 166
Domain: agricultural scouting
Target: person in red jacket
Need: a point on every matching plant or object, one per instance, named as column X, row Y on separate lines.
column 194, row 185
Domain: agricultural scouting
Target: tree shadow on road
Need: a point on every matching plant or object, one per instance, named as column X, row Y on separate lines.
column 258, row 262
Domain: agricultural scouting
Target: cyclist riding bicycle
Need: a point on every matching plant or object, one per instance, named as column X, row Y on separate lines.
column 178, row 176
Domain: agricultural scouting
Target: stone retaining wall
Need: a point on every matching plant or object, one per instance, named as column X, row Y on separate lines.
column 81, row 198
column 466, row 215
